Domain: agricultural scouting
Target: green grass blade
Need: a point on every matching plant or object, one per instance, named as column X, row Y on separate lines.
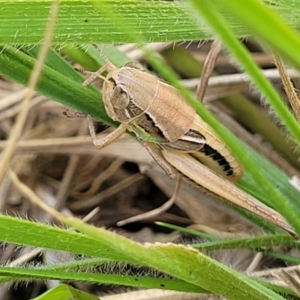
column 137, row 281
column 101, row 243
column 79, row 22
column 267, row 25
column 62, row 84
column 244, row 59
column 190, row 265
column 267, row 241
column 24, row 232
column 64, row 292
column 214, row 18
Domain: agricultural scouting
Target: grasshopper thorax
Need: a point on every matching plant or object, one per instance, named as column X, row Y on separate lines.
column 122, row 89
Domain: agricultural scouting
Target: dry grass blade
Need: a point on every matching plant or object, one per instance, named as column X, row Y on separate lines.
column 98, row 198
column 292, row 280
column 288, row 87
column 34, row 77
column 228, row 84
column 155, row 212
column 134, row 53
column 158, row 295
column 288, row 277
column 208, row 68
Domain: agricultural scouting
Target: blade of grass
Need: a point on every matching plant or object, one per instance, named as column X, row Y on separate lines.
column 209, row 11
column 17, row 129
column 217, row 243
column 249, row 243
column 79, row 22
column 190, row 264
column 24, row 232
column 263, row 21
column 63, row 85
column 63, row 292
column 244, row 59
column 90, row 58
column 136, row 281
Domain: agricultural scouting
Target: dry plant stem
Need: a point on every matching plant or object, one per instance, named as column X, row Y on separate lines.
column 68, row 175
column 229, row 84
column 21, row 119
column 65, row 183
column 157, row 295
column 208, row 68
column 135, row 53
column 255, row 262
column 292, row 282
column 224, row 60
column 11, row 112
column 91, row 214
column 97, row 199
column 98, row 181
column 155, row 212
column 25, row 258
column 12, row 99
column 82, row 145
column 288, row 277
column 27, row 192
column 288, row 86
column 55, row 145
column 4, row 190
column 295, row 182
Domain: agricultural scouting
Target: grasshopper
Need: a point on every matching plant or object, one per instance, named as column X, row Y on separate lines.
column 174, row 135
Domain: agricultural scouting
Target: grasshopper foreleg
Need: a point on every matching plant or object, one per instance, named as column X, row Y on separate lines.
column 109, row 138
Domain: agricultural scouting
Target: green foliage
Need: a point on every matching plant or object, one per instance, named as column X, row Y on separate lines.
column 81, row 23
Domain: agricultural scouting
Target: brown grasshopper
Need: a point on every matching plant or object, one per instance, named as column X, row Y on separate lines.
column 172, row 132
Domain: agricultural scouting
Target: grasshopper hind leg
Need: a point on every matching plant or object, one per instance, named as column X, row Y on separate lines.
column 155, row 153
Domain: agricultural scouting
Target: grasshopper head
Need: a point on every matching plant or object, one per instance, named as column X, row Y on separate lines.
column 119, row 96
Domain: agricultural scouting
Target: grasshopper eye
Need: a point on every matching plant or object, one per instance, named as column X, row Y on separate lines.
column 119, row 98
